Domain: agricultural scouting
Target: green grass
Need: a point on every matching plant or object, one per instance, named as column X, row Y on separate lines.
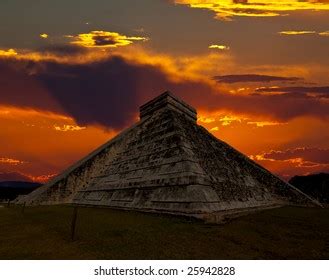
column 44, row 233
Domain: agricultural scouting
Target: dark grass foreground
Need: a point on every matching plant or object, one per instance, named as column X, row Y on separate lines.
column 44, row 233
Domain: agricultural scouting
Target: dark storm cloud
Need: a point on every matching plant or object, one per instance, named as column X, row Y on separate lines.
column 106, row 92
column 282, row 107
column 109, row 92
column 18, row 88
column 253, row 78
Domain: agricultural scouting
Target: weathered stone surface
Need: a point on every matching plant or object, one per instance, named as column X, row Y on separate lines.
column 167, row 163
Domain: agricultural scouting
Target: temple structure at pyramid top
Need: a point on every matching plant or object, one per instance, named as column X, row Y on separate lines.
column 167, row 163
column 167, row 101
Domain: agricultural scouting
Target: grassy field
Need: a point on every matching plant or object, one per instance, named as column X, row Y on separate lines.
column 44, row 233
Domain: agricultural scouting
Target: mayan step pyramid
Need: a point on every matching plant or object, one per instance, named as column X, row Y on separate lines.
column 167, row 163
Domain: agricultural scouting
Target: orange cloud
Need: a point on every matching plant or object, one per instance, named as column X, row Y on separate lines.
column 303, row 32
column 265, row 123
column 103, row 39
column 219, row 47
column 41, row 178
column 294, row 32
column 32, row 116
column 10, row 52
column 226, row 9
column 206, row 120
column 324, row 33
column 20, row 176
column 299, row 157
column 67, row 127
column 11, row 161
column 290, row 162
column 227, row 119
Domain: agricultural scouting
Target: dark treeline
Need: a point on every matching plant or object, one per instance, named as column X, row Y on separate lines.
column 12, row 189
column 315, row 185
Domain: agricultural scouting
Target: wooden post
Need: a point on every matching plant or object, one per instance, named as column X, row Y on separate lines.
column 74, row 222
column 23, row 209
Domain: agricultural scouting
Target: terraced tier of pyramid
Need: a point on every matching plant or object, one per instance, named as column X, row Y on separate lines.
column 167, row 163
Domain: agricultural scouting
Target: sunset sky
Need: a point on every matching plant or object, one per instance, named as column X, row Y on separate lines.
column 74, row 73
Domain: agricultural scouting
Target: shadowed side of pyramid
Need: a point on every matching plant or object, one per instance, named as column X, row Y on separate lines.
column 167, row 163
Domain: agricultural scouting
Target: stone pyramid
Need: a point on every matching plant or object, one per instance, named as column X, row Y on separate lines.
column 167, row 163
